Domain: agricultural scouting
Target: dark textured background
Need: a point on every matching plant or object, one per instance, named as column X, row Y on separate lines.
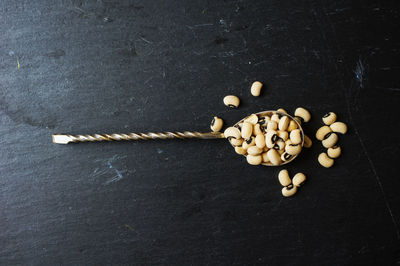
column 133, row 66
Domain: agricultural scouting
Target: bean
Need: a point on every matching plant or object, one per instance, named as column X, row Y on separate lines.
column 283, row 123
column 274, row 157
column 256, row 88
column 299, row 179
column 281, row 110
column 339, row 127
column 254, row 159
column 236, row 142
column 270, row 138
column 295, row 136
column 247, row 129
column 275, row 118
column 252, row 119
column 232, row 132
column 240, row 150
column 283, row 135
column 260, row 141
column 284, row 178
column 264, row 120
column 293, row 149
column 279, row 145
column 272, row 125
column 329, row 118
column 232, row 101
column 258, row 129
column 286, row 156
column 265, row 157
column 281, row 152
column 289, row 191
column 324, row 160
column 254, row 150
column 303, row 113
column 292, row 126
column 248, row 143
column 322, row 131
column 216, row 124
column 307, row 141
column 330, row 140
column 334, row 152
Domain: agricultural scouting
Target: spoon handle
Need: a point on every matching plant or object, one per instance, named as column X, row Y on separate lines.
column 65, row 139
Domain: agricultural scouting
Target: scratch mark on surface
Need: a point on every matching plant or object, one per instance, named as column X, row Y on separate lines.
column 129, row 227
column 145, row 40
column 204, row 25
column 360, row 72
column 18, row 64
column 110, row 169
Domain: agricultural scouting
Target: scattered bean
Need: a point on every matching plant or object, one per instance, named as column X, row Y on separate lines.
column 232, row 101
column 254, row 159
column 254, row 150
column 295, row 136
column 284, row 178
column 274, row 157
column 339, row 127
column 307, row 141
column 256, row 88
column 260, row 141
column 303, row 113
column 293, row 149
column 232, row 132
column 329, row 118
column 216, row 124
column 330, row 140
column 324, row 160
column 299, row 179
column 283, row 123
column 247, row 129
column 240, row 150
column 334, row 152
column 289, row 191
column 322, row 131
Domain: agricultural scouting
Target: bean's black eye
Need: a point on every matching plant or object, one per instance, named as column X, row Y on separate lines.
column 274, row 138
column 328, row 135
column 328, row 114
column 276, row 147
column 212, row 122
column 231, row 105
column 248, row 141
column 287, row 156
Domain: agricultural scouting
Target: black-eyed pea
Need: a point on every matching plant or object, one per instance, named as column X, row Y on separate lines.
column 254, row 150
column 289, row 191
column 252, row 119
column 256, row 88
column 295, row 136
column 232, row 101
column 293, row 149
column 265, row 157
column 286, row 156
column 254, row 159
column 329, row 118
column 281, row 110
column 339, row 127
column 307, row 142
column 334, row 152
column 283, row 135
column 274, row 157
column 216, row 124
column 260, row 141
column 236, row 142
column 265, row 149
column 248, row 143
column 240, row 150
column 303, row 113
column 247, row 130
column 275, row 118
column 288, row 142
column 272, row 125
column 270, row 138
column 232, row 132
column 299, row 179
column 330, row 140
column 258, row 129
column 292, row 126
column 263, row 120
column 279, row 145
column 325, row 161
column 283, row 123
column 322, row 131
column 284, row 178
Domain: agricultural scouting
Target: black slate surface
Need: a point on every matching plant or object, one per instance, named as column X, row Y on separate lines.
column 135, row 66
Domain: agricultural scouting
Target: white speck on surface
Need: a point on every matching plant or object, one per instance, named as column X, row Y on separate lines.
column 11, row 53
column 159, row 151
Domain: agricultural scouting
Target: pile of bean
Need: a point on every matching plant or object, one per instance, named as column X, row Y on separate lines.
column 329, row 137
column 269, row 139
column 290, row 186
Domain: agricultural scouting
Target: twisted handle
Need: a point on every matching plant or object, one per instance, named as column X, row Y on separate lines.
column 65, row 139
